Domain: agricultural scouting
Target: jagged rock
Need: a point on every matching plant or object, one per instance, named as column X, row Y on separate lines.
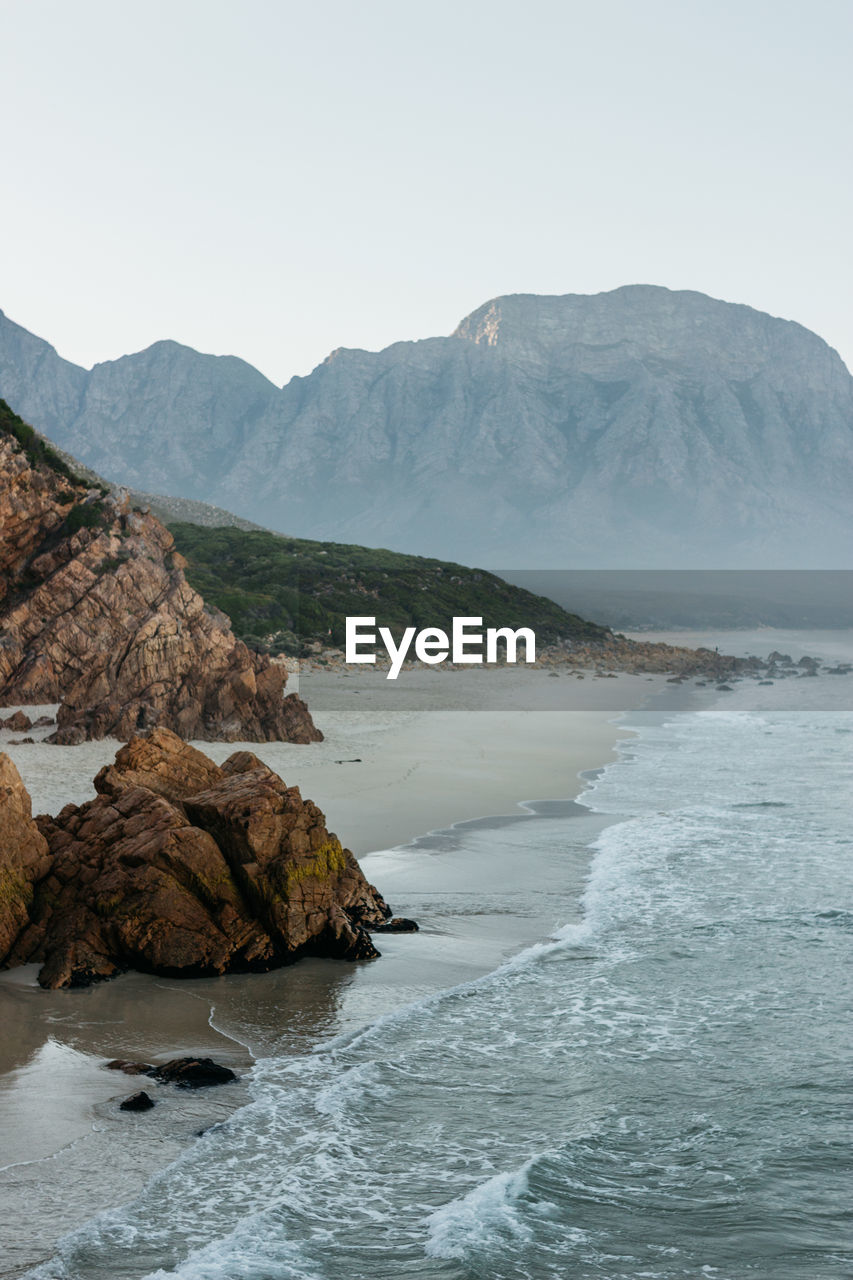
column 287, row 864
column 163, row 763
column 156, row 875
column 97, row 615
column 192, row 1073
column 133, row 885
column 129, row 1068
column 137, row 1102
column 24, row 854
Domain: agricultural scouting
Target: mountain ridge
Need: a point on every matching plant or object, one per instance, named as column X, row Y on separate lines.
column 641, row 427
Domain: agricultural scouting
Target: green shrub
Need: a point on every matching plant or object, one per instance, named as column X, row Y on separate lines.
column 86, row 515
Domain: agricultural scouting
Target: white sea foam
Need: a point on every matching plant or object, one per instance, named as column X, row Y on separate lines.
column 480, row 1220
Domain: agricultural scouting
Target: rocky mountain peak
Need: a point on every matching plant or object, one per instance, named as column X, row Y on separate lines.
column 637, row 322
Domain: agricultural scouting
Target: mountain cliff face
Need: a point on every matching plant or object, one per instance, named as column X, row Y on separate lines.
column 97, row 615
column 640, row 427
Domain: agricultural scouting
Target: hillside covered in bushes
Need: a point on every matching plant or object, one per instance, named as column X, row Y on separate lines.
column 282, row 593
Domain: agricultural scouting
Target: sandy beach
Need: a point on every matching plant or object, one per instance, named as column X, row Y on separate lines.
column 386, row 779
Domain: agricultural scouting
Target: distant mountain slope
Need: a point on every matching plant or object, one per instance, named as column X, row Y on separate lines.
column 641, row 427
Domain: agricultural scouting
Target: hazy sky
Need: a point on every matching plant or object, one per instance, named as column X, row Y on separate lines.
column 275, row 180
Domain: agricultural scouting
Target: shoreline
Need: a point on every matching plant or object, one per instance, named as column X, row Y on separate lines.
column 427, row 783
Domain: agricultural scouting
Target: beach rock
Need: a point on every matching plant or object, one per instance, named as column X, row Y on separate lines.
column 133, row 885
column 18, row 722
column 397, row 924
column 97, row 615
column 137, row 1102
column 24, row 855
column 192, row 1073
column 130, row 1068
column 242, row 875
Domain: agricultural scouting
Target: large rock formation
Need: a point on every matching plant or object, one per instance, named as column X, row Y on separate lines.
column 96, row 614
column 637, row 428
column 178, row 867
column 24, row 854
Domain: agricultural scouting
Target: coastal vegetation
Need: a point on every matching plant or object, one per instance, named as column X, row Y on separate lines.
column 283, row 594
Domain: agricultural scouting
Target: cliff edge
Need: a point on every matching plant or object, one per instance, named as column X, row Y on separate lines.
column 97, row 615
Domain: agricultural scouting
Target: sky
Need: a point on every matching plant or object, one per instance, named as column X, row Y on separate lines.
column 275, row 180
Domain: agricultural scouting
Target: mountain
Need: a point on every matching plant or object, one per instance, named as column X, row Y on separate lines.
column 637, row 428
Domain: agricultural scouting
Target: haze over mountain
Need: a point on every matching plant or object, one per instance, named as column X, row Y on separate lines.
column 641, row 427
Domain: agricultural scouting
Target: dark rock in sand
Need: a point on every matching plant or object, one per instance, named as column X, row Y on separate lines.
column 130, row 1068
column 192, row 1073
column 137, row 1102
column 398, row 924
column 187, row 1073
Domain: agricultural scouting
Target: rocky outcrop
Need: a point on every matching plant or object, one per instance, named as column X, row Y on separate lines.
column 162, row 763
column 24, row 855
column 182, row 868
column 96, row 614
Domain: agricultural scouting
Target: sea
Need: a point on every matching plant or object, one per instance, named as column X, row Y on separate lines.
column 652, row 1080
